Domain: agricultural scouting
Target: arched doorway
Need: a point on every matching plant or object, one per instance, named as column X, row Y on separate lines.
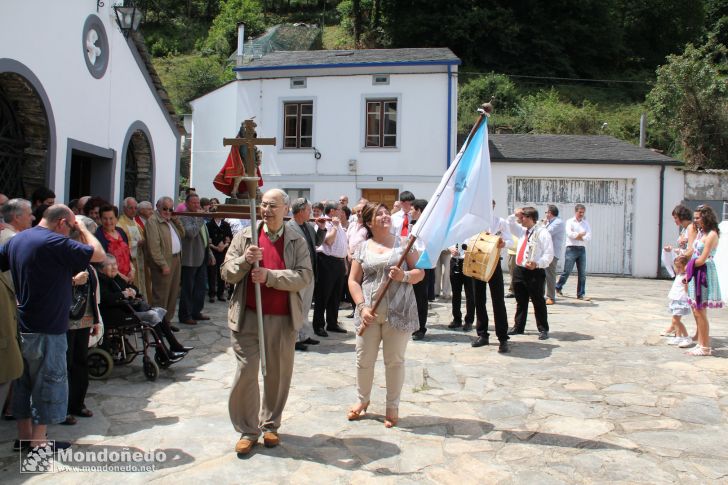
column 138, row 165
column 25, row 136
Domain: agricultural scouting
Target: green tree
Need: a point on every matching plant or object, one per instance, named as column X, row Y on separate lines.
column 481, row 89
column 690, row 100
column 545, row 112
column 189, row 77
column 223, row 32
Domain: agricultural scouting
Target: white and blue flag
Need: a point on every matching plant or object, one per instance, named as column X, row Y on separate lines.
column 461, row 205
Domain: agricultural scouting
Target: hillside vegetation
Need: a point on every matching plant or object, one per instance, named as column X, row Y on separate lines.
column 563, row 66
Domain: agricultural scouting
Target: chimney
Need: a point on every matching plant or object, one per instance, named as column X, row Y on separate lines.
column 643, row 130
column 241, row 43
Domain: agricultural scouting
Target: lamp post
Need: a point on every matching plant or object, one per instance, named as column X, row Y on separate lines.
column 128, row 17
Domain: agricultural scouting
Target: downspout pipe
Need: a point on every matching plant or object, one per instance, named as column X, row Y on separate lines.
column 449, row 116
column 659, row 219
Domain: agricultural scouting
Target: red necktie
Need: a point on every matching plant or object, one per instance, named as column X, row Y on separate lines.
column 405, row 225
column 519, row 258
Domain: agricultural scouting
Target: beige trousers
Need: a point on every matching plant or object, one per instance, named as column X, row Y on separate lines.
column 165, row 288
column 307, row 329
column 246, row 413
column 394, row 344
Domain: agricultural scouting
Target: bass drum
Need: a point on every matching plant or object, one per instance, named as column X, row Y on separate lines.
column 482, row 256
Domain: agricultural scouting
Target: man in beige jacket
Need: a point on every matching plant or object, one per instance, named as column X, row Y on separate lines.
column 164, row 246
column 285, row 270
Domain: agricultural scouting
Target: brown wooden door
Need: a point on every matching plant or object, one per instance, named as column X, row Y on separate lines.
column 384, row 196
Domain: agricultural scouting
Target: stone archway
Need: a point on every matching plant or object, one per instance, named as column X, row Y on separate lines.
column 138, row 166
column 25, row 136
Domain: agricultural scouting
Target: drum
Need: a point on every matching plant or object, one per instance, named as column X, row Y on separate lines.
column 482, row 256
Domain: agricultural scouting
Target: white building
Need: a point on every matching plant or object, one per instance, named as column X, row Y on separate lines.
column 79, row 109
column 629, row 193
column 362, row 123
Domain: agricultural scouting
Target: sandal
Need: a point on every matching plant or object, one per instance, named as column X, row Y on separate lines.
column 353, row 414
column 699, row 351
column 390, row 421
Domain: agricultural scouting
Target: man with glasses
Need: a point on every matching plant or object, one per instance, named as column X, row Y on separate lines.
column 42, row 261
column 164, row 247
column 284, row 272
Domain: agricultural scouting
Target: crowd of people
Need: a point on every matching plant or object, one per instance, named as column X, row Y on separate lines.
column 325, row 257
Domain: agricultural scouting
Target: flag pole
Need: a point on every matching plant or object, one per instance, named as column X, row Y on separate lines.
column 484, row 111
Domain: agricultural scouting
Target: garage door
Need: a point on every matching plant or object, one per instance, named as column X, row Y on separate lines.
column 608, row 209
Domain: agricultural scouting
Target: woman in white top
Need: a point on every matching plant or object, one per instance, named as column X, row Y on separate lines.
column 373, row 264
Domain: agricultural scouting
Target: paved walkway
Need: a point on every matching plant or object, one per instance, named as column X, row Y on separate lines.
column 603, row 400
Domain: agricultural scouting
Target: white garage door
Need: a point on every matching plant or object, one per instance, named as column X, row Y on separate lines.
column 608, row 209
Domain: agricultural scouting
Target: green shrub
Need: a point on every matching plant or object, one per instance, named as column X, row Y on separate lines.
column 221, row 38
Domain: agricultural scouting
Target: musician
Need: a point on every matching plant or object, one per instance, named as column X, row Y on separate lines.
column 458, row 282
column 534, row 253
column 498, row 227
column 401, row 220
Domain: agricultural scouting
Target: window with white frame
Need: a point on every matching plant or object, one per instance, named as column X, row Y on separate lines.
column 381, row 123
column 298, row 124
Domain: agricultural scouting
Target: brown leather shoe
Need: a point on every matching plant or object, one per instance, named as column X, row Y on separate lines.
column 201, row 317
column 189, row 321
column 549, row 301
column 271, row 439
column 244, row 445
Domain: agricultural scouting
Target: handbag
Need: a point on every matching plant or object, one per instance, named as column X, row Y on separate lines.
column 79, row 299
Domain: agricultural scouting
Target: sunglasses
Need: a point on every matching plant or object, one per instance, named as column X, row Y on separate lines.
column 166, row 209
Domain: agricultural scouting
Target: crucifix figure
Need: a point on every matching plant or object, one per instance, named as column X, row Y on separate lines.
column 242, row 165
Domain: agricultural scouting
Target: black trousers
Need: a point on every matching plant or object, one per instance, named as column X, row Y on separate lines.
column 331, row 276
column 458, row 281
column 420, row 290
column 530, row 284
column 77, row 368
column 498, row 303
column 215, row 284
column 430, row 278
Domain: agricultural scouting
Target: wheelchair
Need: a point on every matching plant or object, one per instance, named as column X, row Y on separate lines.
column 125, row 338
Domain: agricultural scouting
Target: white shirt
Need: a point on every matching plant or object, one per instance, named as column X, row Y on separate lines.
column 237, row 225
column 499, row 227
column 397, row 222
column 176, row 243
column 677, row 292
column 339, row 248
column 558, row 234
column 573, row 228
column 544, row 251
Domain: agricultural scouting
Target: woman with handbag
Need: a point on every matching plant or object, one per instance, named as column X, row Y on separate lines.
column 396, row 318
column 84, row 320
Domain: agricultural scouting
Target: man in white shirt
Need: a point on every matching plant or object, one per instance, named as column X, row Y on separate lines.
column 556, row 228
column 578, row 232
column 534, row 253
column 331, row 269
column 401, row 220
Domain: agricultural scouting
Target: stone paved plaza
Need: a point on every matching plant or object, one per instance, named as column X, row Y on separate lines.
column 602, row 401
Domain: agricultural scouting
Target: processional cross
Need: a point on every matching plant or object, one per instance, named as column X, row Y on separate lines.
column 247, row 140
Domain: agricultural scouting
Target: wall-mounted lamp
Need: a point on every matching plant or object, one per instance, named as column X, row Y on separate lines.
column 128, row 17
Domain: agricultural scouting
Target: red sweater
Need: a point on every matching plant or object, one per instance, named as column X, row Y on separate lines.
column 275, row 302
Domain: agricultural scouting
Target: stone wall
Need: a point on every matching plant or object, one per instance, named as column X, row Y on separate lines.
column 32, row 119
column 706, row 185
